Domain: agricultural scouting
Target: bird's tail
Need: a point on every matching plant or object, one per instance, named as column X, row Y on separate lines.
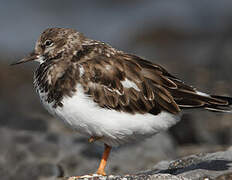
column 187, row 97
column 189, row 100
column 225, row 106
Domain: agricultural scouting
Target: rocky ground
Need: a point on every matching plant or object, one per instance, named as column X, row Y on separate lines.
column 48, row 155
column 204, row 166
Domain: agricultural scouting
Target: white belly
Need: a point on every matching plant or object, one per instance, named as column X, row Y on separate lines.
column 86, row 117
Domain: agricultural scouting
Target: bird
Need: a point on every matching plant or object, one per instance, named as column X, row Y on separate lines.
column 108, row 95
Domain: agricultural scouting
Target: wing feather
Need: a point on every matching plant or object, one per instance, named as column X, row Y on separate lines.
column 151, row 88
column 104, row 77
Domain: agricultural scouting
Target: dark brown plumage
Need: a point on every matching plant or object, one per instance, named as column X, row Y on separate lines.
column 105, row 68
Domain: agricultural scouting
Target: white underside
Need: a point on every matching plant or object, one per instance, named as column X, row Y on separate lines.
column 115, row 128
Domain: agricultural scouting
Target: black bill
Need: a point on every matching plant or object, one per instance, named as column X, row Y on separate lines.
column 31, row 57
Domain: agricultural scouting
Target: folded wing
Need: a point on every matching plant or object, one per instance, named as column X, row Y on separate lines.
column 131, row 84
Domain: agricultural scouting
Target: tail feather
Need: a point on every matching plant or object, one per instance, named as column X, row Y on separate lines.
column 220, row 108
column 224, row 98
column 201, row 100
column 187, row 97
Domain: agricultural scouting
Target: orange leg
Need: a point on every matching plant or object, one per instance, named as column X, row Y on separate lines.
column 101, row 168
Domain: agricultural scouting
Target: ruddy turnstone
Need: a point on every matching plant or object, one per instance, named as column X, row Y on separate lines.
column 108, row 95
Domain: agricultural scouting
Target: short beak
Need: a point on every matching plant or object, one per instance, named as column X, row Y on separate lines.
column 31, row 57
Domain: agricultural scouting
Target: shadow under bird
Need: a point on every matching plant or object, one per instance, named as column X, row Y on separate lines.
column 109, row 95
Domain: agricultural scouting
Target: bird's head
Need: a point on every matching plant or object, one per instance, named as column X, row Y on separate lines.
column 53, row 43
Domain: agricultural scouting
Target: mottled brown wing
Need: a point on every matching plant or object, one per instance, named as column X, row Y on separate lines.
column 185, row 96
column 128, row 83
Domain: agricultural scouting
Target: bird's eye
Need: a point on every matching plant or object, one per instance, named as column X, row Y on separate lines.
column 48, row 42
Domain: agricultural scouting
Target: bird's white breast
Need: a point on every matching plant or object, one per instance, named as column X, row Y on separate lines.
column 81, row 113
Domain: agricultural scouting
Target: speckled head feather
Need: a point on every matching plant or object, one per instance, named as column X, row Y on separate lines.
column 112, row 78
column 56, row 41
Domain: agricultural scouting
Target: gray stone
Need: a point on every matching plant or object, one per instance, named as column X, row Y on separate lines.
column 209, row 165
column 200, row 166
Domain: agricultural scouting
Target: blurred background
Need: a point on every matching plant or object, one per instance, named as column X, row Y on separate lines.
column 192, row 39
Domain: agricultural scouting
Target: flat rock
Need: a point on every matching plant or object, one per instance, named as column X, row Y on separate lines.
column 203, row 166
column 199, row 166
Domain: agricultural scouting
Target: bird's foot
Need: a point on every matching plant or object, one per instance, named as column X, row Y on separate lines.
column 93, row 139
column 101, row 172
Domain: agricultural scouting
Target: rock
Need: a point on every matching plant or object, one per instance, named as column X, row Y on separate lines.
column 200, row 166
column 225, row 177
column 209, row 165
column 128, row 177
column 51, row 155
